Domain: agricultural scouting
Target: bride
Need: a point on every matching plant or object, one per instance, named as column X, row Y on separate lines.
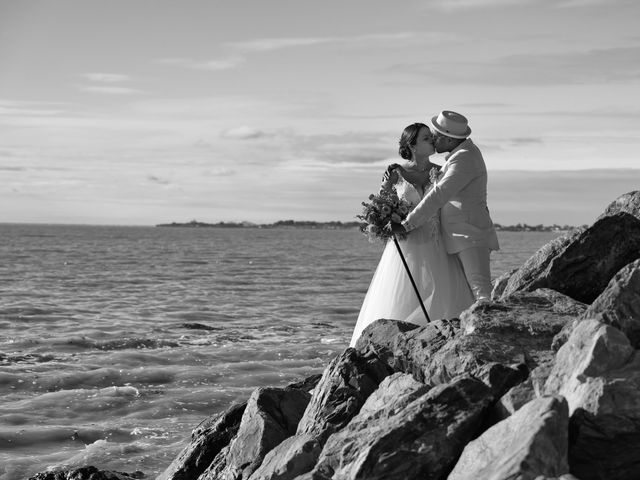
column 439, row 276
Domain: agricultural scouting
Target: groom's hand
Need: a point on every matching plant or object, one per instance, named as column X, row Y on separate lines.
column 396, row 228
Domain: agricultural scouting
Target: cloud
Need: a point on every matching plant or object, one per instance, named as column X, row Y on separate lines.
column 220, row 172
column 209, row 65
column 458, row 5
column 111, row 90
column 106, row 77
column 455, row 5
column 598, row 66
column 25, row 108
column 386, row 39
column 158, row 180
column 525, row 140
column 242, row 133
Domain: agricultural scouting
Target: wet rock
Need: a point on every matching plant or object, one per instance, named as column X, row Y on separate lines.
column 598, row 372
column 531, row 442
column 629, row 203
column 581, row 263
column 339, row 395
column 207, row 440
column 86, row 473
column 271, row 415
column 212, row 436
column 344, row 387
column 421, row 439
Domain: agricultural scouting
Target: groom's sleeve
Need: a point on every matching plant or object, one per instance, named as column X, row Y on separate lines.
column 459, row 173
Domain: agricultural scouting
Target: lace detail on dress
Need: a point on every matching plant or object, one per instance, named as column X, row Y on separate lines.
column 407, row 191
column 434, row 227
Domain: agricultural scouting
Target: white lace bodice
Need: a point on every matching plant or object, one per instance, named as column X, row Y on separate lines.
column 409, row 193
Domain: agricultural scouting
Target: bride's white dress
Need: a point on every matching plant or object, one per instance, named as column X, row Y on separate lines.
column 439, row 276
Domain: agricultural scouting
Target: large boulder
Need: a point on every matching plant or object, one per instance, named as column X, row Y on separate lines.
column 406, row 347
column 213, row 436
column 598, row 372
column 629, row 203
column 296, row 455
column 271, row 415
column 339, row 395
column 419, row 438
column 499, row 342
column 619, row 304
column 344, row 387
column 531, row 442
column 207, row 440
column 581, row 263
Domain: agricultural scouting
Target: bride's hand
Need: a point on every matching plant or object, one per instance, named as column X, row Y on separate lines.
column 390, row 175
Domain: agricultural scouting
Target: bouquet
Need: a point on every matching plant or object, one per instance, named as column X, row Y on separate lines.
column 381, row 209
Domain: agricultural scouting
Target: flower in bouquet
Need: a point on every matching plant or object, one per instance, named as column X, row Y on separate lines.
column 434, row 175
column 381, row 209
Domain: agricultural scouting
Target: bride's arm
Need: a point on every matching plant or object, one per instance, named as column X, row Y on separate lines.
column 390, row 176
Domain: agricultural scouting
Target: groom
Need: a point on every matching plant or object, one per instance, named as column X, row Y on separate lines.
column 461, row 194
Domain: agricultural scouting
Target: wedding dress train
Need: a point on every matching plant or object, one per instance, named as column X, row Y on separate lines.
column 439, row 277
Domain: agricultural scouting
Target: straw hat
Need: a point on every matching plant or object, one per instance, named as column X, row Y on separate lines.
column 451, row 124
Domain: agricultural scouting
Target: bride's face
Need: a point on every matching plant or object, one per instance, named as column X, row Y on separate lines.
column 424, row 143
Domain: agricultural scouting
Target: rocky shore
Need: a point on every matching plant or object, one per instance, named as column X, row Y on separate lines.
column 543, row 382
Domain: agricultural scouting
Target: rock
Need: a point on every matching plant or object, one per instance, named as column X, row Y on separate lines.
column 500, row 283
column 379, row 333
column 407, row 350
column 514, row 399
column 629, row 203
column 566, row 476
column 339, row 395
column 294, row 456
column 598, row 372
column 393, row 394
column 581, row 263
column 619, row 304
column 214, row 434
column 271, row 415
column 537, row 263
column 532, row 442
column 501, row 342
column 207, row 440
column 86, row 473
column 421, row 439
column 498, row 342
column 344, row 387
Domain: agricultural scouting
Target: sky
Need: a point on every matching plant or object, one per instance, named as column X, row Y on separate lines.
column 139, row 112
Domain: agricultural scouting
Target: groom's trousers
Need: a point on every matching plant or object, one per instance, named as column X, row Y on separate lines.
column 475, row 263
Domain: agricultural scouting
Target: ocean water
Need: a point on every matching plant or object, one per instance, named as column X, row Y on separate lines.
column 117, row 341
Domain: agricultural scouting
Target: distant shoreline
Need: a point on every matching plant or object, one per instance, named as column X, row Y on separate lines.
column 337, row 225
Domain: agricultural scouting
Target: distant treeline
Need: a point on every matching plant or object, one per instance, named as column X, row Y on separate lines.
column 523, row 227
column 335, row 225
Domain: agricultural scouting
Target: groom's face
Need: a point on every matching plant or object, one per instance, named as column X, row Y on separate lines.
column 440, row 142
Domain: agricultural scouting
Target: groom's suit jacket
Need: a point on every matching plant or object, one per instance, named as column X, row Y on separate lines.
column 461, row 196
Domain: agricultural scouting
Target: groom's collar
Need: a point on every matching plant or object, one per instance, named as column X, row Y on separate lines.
column 463, row 145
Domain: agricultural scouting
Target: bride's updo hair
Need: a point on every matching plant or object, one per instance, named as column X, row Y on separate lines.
column 408, row 138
